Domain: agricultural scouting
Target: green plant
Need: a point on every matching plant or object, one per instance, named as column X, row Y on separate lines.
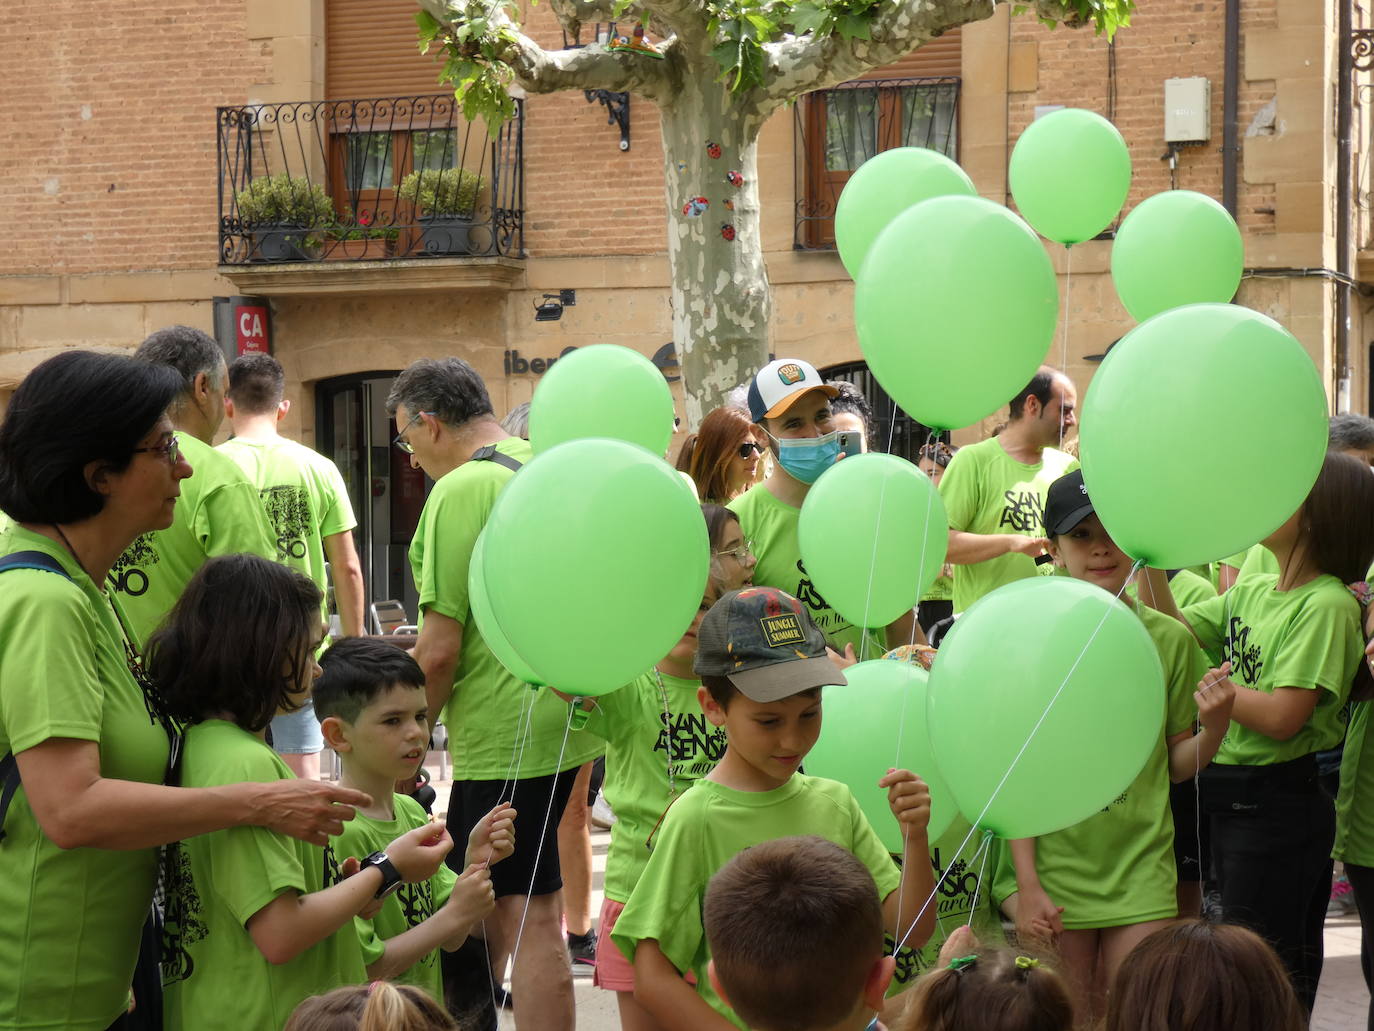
column 282, row 200
column 445, row 193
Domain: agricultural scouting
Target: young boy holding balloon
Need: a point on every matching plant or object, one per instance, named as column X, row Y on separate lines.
column 762, row 663
column 1102, row 885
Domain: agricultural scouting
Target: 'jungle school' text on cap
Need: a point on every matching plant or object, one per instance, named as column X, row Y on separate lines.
column 781, row 382
column 764, row 641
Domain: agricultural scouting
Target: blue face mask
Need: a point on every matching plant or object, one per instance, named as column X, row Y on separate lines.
column 807, row 458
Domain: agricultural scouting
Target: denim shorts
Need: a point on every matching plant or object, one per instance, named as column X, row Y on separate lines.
column 297, row 733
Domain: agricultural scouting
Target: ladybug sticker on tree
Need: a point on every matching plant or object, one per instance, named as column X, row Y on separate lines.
column 729, row 204
column 695, row 206
column 728, row 232
column 734, row 179
column 713, row 150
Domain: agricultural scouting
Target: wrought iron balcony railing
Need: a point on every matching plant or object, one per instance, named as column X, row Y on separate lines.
column 396, row 177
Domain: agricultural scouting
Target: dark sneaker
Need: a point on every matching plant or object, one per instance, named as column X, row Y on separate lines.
column 582, row 951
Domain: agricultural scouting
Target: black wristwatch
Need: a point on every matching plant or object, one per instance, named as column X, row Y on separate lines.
column 391, row 877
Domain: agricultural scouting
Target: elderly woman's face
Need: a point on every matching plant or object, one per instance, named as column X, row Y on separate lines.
column 146, row 491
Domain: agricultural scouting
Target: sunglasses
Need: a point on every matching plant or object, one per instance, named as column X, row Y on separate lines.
column 749, row 449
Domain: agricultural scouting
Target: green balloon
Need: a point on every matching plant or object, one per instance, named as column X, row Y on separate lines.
column 604, row 390
column 877, row 722
column 873, row 534
column 996, row 678
column 955, row 309
column 492, row 634
column 1069, row 173
column 1202, row 433
column 882, row 188
column 596, row 562
column 1173, row 249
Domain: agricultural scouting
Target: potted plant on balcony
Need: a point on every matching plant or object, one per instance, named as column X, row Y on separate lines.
column 445, row 200
column 285, row 216
column 361, row 238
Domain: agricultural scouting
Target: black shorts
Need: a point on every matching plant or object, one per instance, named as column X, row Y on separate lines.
column 1192, row 834
column 519, row 873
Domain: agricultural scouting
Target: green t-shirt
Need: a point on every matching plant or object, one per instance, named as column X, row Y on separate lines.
column 1309, row 638
column 1355, row 803
column 218, row 513
column 772, row 526
column 703, row 831
column 483, row 715
column 410, row 905
column 658, row 741
column 1189, row 589
column 1117, row 866
column 304, row 498
column 210, row 964
column 1259, row 559
column 941, row 590
column 986, row 491
column 71, row 918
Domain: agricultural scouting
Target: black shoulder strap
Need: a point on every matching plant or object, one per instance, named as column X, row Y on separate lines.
column 9, row 766
column 490, row 454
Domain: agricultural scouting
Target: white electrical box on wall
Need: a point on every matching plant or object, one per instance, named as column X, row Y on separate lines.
column 1187, row 110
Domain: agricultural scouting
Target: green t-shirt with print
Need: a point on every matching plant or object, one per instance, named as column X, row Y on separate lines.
column 1117, row 866
column 483, row 715
column 772, row 526
column 410, row 905
column 704, row 830
column 1186, row 587
column 658, row 741
column 1355, row 802
column 72, row 917
column 217, row 881
column 1308, row 638
column 304, row 498
column 218, row 513
column 986, row 491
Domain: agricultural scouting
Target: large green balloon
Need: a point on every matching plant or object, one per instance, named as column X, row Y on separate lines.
column 596, row 562
column 1173, row 249
column 997, row 675
column 873, row 534
column 1202, row 432
column 955, row 309
column 604, row 390
column 1069, row 173
column 882, row 188
column 492, row 634
column 877, row 722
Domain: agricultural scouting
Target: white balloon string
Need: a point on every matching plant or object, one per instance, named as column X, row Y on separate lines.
column 978, row 884
column 1031, row 737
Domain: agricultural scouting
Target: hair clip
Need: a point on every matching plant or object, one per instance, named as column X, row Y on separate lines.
column 1027, row 963
column 958, row 963
column 1362, row 592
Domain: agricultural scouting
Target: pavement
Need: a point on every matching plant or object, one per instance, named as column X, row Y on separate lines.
column 1342, row 1000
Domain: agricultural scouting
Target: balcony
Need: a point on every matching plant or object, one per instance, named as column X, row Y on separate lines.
column 362, row 196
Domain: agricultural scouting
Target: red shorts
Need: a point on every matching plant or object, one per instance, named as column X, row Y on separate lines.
column 613, row 971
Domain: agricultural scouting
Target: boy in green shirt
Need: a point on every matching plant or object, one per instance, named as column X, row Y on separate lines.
column 762, row 664
column 372, row 709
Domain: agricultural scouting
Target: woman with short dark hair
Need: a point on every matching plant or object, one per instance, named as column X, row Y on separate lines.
column 88, row 462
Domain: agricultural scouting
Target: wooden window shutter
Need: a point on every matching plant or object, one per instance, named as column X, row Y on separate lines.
column 371, row 50
column 939, row 57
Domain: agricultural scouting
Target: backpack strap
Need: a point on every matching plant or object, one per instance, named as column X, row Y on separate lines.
column 490, row 454
column 9, row 765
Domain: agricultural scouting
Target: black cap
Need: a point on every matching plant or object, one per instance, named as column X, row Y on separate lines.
column 1066, row 503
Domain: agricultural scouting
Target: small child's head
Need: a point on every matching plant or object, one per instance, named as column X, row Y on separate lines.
column 370, row 701
column 239, row 644
column 1078, row 542
column 762, row 664
column 1204, row 977
column 795, row 929
column 994, row 990
column 380, row 1006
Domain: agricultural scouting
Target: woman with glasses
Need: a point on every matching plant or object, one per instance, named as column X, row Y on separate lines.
column 732, row 556
column 88, row 462
column 722, row 458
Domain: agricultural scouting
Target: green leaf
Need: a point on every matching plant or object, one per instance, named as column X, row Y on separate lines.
column 429, row 29
column 853, row 26
column 808, row 17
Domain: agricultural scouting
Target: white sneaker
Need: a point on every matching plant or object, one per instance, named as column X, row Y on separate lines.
column 602, row 816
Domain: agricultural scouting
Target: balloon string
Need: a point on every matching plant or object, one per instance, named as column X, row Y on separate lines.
column 1034, row 730
column 1064, row 349
column 986, row 849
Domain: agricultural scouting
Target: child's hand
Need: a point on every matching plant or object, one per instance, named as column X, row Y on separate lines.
column 417, row 854
column 473, row 897
column 1215, row 696
column 961, row 942
column 842, row 661
column 1038, row 919
column 909, row 799
column 493, row 839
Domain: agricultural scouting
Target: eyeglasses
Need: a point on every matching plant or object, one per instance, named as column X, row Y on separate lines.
column 169, row 448
column 749, row 449
column 741, row 553
column 400, row 440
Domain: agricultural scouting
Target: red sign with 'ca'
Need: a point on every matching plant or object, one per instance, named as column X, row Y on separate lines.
column 251, row 324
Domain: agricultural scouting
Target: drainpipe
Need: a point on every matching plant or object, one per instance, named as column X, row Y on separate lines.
column 1345, row 75
column 1230, row 143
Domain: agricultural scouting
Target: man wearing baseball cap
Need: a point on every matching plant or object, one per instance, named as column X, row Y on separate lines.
column 762, row 663
column 791, row 404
